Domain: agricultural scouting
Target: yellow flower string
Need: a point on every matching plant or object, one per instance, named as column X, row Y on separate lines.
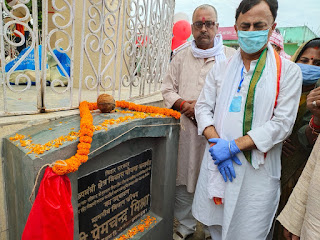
column 145, row 224
column 85, row 134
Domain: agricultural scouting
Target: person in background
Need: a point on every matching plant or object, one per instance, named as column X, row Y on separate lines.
column 246, row 109
column 308, row 59
column 276, row 41
column 19, row 12
column 180, row 89
column 298, row 146
column 301, row 215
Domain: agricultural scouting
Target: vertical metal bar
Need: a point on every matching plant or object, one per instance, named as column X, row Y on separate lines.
column 2, row 55
column 161, row 12
column 116, row 51
column 149, row 64
column 122, row 46
column 72, row 52
column 42, row 92
column 36, row 52
column 130, row 72
column 82, row 49
column 99, row 76
column 171, row 6
column 133, row 58
column 144, row 56
column 152, row 58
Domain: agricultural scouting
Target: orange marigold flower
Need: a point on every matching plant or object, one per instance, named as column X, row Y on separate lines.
column 85, row 139
column 141, row 228
column 82, row 158
column 83, row 145
column 148, row 109
column 17, row 137
column 73, row 164
column 93, row 106
column 60, row 167
column 83, row 151
column 145, row 224
column 86, row 132
column 87, row 126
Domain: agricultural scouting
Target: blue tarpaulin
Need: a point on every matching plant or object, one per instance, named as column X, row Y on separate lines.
column 64, row 60
column 29, row 62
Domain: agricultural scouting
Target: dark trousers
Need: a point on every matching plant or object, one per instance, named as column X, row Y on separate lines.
column 24, row 45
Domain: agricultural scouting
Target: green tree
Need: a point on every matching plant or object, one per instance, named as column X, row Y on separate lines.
column 39, row 6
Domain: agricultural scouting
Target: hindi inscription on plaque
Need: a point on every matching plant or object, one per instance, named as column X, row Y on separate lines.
column 110, row 199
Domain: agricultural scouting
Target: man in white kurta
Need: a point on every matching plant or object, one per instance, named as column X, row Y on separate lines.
column 250, row 201
column 180, row 89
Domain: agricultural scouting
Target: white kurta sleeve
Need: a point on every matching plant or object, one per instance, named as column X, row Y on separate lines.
column 170, row 84
column 280, row 126
column 205, row 105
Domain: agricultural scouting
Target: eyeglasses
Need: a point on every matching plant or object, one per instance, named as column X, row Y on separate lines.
column 209, row 24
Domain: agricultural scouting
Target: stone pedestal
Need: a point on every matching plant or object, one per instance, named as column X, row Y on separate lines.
column 130, row 173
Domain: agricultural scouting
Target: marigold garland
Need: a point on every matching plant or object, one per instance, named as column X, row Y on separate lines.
column 72, row 164
column 85, row 133
column 148, row 109
column 145, row 224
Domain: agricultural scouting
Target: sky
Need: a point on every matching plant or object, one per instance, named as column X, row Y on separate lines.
column 290, row 13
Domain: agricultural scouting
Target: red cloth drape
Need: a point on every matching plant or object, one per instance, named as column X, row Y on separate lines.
column 51, row 216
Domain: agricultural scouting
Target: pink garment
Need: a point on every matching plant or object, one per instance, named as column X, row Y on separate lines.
column 277, row 39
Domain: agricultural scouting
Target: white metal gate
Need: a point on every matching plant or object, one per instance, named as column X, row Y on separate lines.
column 83, row 48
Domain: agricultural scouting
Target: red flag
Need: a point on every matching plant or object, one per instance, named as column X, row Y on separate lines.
column 51, row 216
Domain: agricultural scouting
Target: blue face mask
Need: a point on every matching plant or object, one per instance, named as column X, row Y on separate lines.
column 310, row 73
column 252, row 41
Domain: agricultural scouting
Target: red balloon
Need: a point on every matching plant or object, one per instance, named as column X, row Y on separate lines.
column 176, row 42
column 182, row 30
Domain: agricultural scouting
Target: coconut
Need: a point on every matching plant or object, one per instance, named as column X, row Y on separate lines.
column 106, row 103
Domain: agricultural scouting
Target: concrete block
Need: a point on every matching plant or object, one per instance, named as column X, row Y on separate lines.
column 108, row 148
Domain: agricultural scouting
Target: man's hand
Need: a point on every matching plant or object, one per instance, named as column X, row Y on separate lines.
column 289, row 236
column 226, row 168
column 288, row 148
column 188, row 109
column 223, row 149
column 313, row 104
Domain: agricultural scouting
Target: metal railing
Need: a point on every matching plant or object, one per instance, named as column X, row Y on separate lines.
column 87, row 47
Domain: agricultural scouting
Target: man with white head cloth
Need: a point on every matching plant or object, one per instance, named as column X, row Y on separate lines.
column 180, row 89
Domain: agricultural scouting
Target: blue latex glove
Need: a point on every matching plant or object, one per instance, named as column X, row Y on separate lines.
column 226, row 168
column 223, row 149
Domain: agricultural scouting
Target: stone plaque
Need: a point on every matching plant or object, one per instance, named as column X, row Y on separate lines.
column 112, row 198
